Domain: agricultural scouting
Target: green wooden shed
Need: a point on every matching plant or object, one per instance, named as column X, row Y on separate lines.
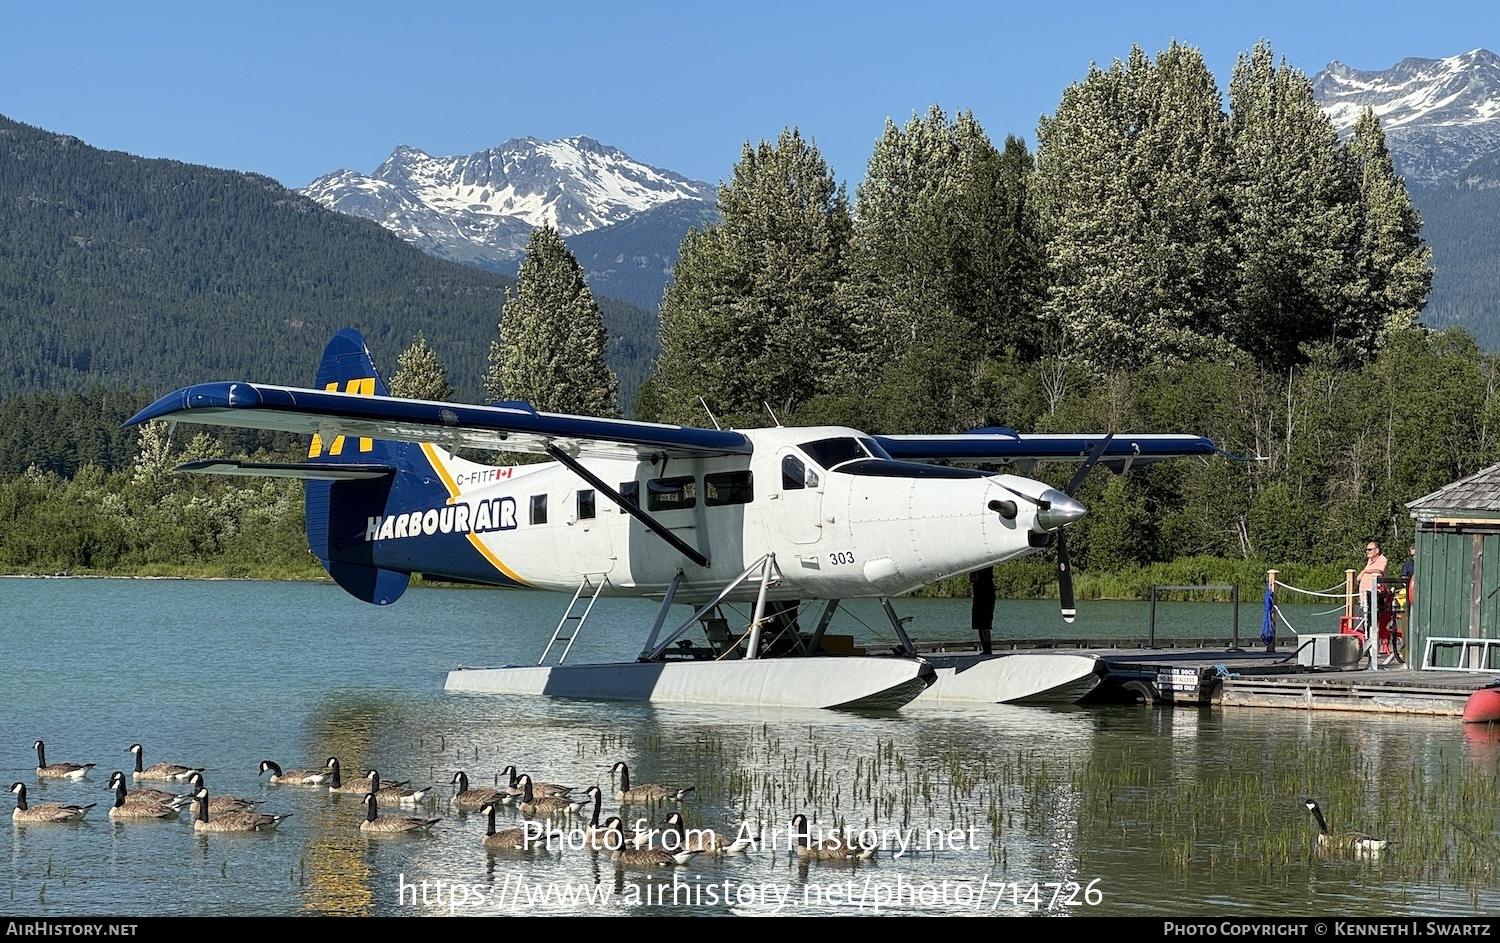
column 1457, row 582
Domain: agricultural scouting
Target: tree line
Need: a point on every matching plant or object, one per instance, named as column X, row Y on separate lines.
column 1160, row 263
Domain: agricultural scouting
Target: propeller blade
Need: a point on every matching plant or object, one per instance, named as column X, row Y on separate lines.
column 1042, row 503
column 1095, row 454
column 1065, row 580
column 1064, row 568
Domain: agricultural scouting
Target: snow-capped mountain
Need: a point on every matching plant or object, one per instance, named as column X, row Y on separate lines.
column 1439, row 115
column 480, row 209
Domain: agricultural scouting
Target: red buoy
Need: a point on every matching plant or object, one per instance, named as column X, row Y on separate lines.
column 1483, row 706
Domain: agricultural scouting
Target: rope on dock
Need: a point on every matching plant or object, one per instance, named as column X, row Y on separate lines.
column 1336, row 591
column 1282, row 617
column 1293, row 629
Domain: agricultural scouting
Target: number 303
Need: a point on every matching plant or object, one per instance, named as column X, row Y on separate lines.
column 838, row 558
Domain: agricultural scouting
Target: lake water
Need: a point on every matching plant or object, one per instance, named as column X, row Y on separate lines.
column 1008, row 810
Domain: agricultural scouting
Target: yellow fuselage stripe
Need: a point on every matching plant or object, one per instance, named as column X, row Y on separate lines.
column 432, row 457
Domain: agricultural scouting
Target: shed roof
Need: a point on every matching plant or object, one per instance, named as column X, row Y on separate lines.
column 1477, row 496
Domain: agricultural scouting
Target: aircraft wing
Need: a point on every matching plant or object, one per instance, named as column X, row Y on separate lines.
column 503, row 427
column 1006, row 445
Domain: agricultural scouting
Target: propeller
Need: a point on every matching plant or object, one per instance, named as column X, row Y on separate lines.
column 1055, row 510
column 1064, row 569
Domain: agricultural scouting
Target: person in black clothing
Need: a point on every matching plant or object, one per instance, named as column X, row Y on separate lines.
column 982, row 617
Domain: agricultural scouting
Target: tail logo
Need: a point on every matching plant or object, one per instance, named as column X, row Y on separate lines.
column 360, row 386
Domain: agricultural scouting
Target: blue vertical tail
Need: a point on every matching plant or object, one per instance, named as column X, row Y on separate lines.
column 336, row 511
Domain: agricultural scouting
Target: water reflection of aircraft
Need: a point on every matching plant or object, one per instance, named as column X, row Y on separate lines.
column 695, row 516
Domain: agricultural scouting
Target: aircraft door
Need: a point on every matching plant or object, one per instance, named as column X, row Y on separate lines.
column 801, row 498
column 589, row 531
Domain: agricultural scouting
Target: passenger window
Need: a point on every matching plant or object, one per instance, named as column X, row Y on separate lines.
column 539, row 509
column 736, row 487
column 585, row 505
column 671, row 494
column 631, row 492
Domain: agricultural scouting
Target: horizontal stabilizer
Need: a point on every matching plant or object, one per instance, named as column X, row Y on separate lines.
column 305, row 470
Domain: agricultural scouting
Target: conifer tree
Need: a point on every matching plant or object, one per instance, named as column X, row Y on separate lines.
column 751, row 316
column 1132, row 179
column 420, row 374
column 552, row 338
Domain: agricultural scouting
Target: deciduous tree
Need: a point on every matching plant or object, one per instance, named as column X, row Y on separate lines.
column 1297, row 215
column 1393, row 266
column 1133, row 175
column 751, row 315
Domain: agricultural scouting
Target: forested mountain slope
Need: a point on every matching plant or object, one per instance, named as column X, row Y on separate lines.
column 133, row 273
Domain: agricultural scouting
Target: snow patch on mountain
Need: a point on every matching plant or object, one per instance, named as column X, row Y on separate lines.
column 481, row 208
column 1439, row 115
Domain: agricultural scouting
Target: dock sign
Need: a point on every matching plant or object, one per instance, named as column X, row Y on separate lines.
column 1184, row 680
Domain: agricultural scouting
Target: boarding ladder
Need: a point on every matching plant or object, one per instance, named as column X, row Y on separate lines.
column 571, row 622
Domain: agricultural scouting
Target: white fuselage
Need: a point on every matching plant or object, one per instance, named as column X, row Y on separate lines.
column 838, row 527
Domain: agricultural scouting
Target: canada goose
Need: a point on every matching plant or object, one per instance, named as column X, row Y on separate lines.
column 599, row 836
column 149, row 796
column 545, row 806
column 1355, row 841
column 827, row 848
column 650, row 792
column 203, row 821
column 391, row 824
column 140, row 811
column 219, row 805
column 337, row 785
column 507, row 839
column 160, row 770
column 675, row 835
column 466, row 798
column 394, row 792
column 537, row 789
column 46, row 811
column 58, row 770
column 626, row 855
column 294, row 777
column 596, row 794
column 612, row 835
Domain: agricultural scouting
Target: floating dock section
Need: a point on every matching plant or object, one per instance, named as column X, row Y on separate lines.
column 1200, row 673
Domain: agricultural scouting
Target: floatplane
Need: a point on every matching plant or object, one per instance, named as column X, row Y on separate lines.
column 780, row 517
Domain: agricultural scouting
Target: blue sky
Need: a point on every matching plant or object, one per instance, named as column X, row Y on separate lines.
column 294, row 90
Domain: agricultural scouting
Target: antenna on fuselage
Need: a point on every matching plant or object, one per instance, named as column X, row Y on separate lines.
column 773, row 414
column 710, row 412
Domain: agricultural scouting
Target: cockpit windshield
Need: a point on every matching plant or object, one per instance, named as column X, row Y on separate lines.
column 831, row 453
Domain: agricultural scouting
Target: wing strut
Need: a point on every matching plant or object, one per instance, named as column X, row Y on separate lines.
column 634, row 511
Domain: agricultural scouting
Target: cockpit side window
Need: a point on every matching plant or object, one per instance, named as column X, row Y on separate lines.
column 793, row 474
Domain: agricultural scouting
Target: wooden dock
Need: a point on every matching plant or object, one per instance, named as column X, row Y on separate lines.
column 1208, row 672
column 1387, row 691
